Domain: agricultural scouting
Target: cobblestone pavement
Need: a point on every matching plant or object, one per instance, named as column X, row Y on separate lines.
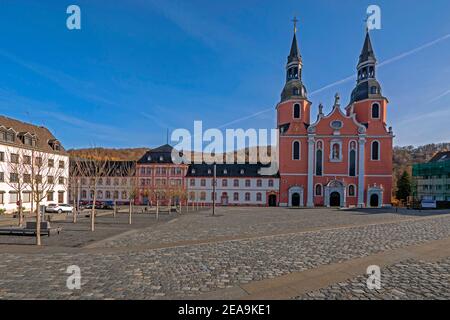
column 408, row 280
column 186, row 271
column 79, row 234
column 241, row 222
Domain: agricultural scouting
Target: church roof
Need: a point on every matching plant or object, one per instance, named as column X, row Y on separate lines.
column 367, row 53
column 294, row 54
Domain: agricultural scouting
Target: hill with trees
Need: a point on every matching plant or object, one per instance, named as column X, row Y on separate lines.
column 403, row 157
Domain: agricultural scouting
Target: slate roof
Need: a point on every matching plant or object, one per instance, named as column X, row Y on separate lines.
column 441, row 156
column 367, row 53
column 232, row 170
column 43, row 135
column 162, row 154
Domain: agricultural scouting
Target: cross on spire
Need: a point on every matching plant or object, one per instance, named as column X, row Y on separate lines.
column 295, row 20
column 366, row 26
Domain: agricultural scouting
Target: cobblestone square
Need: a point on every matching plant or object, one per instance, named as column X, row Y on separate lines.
column 196, row 255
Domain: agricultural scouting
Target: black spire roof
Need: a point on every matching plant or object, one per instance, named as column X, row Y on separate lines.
column 367, row 53
column 294, row 54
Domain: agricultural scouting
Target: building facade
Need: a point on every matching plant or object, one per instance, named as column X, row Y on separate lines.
column 159, row 178
column 33, row 166
column 236, row 185
column 432, row 179
column 115, row 185
column 343, row 158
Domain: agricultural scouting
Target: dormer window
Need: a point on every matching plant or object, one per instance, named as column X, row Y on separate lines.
column 209, row 171
column 10, row 137
column 242, row 171
column 193, row 171
column 225, row 171
column 161, row 158
column 149, row 158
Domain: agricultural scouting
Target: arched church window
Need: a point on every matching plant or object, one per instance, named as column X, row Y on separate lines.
column 318, row 189
column 375, row 111
column 375, row 150
column 296, row 150
column 352, row 159
column 371, row 72
column 296, row 92
column 296, row 111
column 319, row 156
column 351, row 190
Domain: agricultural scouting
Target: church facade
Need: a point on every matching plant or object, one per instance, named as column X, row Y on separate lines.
column 343, row 158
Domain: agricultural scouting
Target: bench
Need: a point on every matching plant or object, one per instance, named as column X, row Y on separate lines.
column 30, row 230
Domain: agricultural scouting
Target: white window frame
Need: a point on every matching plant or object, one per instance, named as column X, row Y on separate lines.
column 354, row 189
column 315, row 190
column 356, row 157
column 379, row 150
column 379, row 111
column 299, row 111
column 332, row 143
column 299, row 150
column 315, row 157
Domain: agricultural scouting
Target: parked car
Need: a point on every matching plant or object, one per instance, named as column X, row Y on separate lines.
column 58, row 208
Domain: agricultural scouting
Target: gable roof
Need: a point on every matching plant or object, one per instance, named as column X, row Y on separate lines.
column 43, row 135
column 441, row 156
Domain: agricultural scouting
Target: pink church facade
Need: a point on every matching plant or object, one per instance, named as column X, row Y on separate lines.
column 343, row 158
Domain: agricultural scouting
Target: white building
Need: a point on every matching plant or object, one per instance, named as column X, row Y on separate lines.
column 31, row 158
column 117, row 183
column 236, row 185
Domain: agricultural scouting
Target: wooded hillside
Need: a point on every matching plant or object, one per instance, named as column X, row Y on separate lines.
column 403, row 158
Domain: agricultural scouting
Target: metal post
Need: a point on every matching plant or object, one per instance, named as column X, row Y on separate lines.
column 214, row 191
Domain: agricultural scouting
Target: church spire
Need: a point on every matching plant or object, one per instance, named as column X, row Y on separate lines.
column 294, row 54
column 294, row 87
column 367, row 53
column 367, row 85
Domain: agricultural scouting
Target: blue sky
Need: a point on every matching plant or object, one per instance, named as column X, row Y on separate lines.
column 137, row 68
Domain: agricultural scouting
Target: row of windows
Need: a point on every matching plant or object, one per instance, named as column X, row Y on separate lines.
column 146, row 171
column 106, row 181
column 437, row 187
column 351, row 190
column 161, row 182
column 236, row 183
column 247, row 196
column 336, row 152
column 105, row 195
column 26, row 197
column 26, row 178
column 296, row 112
column 15, row 158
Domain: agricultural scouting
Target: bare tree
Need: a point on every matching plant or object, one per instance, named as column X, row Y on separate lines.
column 129, row 171
column 94, row 166
column 44, row 176
column 17, row 168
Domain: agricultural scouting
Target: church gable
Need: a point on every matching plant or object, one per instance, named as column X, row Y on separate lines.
column 336, row 123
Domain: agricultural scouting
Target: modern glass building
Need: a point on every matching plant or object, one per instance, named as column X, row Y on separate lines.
column 432, row 179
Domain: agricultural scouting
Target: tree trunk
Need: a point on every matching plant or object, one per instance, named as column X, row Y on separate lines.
column 93, row 211
column 38, row 224
column 20, row 213
column 129, row 213
column 75, row 209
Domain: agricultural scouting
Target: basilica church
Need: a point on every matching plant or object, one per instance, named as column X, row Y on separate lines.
column 343, row 158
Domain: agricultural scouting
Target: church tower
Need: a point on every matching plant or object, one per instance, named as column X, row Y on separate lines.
column 293, row 119
column 366, row 100
column 369, row 107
